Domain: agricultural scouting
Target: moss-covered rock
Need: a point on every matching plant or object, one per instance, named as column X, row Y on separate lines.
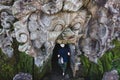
column 109, row 61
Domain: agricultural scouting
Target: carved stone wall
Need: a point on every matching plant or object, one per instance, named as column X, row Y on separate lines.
column 111, row 75
column 90, row 25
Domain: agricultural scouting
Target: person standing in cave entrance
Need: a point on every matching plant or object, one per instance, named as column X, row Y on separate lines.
column 63, row 57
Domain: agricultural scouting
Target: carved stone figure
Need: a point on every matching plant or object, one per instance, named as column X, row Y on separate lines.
column 89, row 25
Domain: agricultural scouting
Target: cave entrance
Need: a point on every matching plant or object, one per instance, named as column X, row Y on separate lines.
column 54, row 62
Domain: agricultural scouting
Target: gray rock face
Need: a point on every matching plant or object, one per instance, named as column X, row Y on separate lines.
column 40, row 24
column 6, row 20
column 112, row 75
column 22, row 76
column 6, row 2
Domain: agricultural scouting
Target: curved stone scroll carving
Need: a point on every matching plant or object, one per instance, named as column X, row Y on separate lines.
column 52, row 7
column 102, row 29
column 6, row 34
column 6, row 45
column 89, row 25
column 21, row 8
column 55, row 6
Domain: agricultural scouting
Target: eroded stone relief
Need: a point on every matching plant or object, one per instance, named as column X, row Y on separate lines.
column 89, row 25
column 111, row 75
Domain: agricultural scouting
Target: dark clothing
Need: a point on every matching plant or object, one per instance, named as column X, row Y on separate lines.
column 63, row 52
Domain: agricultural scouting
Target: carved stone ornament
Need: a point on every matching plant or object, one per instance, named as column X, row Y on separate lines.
column 89, row 25
column 111, row 75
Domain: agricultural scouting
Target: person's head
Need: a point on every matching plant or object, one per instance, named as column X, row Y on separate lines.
column 62, row 45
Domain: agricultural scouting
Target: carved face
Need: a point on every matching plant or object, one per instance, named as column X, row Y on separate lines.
column 42, row 23
column 46, row 30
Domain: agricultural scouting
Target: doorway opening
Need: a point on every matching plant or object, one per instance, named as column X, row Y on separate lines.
column 54, row 62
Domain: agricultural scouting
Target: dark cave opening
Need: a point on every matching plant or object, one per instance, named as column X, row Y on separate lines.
column 56, row 71
column 54, row 61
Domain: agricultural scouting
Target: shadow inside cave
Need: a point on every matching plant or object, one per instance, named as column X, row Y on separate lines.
column 54, row 61
column 56, row 72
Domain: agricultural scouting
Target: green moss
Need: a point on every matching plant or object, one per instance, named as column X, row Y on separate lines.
column 106, row 61
column 22, row 62
column 116, row 56
column 6, row 67
column 40, row 72
column 110, row 60
column 91, row 70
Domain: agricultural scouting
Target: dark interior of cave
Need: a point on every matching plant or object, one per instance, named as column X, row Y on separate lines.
column 55, row 66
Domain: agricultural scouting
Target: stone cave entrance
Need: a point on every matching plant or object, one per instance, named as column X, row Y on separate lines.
column 54, row 62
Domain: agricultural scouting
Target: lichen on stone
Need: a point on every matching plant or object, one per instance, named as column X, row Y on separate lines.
column 90, row 25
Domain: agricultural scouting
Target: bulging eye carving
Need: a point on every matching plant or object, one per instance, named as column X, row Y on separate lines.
column 76, row 26
column 58, row 27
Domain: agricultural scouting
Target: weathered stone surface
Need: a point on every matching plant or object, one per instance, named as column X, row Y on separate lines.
column 6, row 2
column 71, row 5
column 52, row 7
column 6, row 20
column 89, row 25
column 21, row 8
column 22, row 76
column 111, row 75
column 5, row 45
